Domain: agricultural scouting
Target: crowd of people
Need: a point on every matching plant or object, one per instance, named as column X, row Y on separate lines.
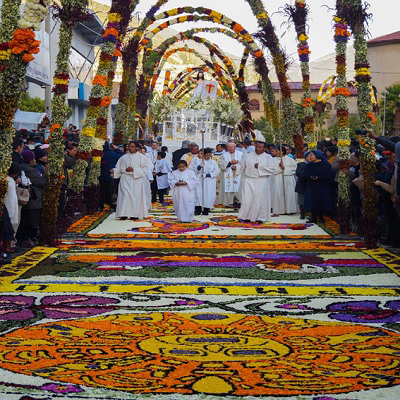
column 256, row 179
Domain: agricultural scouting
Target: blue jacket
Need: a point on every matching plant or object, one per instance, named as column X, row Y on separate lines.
column 108, row 162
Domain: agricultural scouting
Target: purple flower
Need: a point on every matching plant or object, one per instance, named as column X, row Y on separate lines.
column 151, row 12
column 61, row 389
column 293, row 307
column 16, row 308
column 189, row 302
column 76, row 306
column 21, row 308
column 366, row 311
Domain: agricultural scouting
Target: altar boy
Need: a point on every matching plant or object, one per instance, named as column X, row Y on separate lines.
column 183, row 183
column 206, row 173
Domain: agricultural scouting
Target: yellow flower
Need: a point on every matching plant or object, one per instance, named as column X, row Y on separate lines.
column 215, row 14
column 58, row 81
column 173, row 12
column 262, row 16
column 303, row 38
column 114, row 17
column 88, row 131
column 363, row 71
column 96, row 159
column 337, row 19
column 343, row 143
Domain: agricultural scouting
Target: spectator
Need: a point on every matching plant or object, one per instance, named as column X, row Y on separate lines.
column 111, row 155
column 317, row 177
column 31, row 212
column 18, row 148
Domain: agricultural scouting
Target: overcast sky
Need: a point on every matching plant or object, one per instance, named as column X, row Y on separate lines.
column 385, row 20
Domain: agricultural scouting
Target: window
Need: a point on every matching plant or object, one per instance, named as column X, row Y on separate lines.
column 328, row 106
column 254, row 105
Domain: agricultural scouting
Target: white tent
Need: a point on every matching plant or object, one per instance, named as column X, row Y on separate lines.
column 27, row 120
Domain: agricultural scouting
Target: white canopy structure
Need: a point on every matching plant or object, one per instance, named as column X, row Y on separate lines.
column 27, row 120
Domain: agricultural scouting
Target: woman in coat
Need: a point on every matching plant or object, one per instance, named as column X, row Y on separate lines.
column 318, row 178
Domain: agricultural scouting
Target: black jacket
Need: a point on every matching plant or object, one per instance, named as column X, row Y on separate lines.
column 177, row 155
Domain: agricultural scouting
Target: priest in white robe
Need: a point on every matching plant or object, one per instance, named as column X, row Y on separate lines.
column 257, row 168
column 183, row 183
column 206, row 173
column 230, row 176
column 131, row 168
column 192, row 155
column 284, row 197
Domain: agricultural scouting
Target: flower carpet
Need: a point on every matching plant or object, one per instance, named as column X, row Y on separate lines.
column 220, row 307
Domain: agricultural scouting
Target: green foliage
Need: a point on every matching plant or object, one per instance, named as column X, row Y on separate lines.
column 392, row 109
column 355, row 124
column 28, row 103
column 265, row 127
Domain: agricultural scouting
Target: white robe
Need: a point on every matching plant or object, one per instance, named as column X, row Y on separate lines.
column 163, row 167
column 147, row 179
column 210, row 183
column 284, row 197
column 229, row 180
column 11, row 202
column 256, row 188
column 132, row 201
column 183, row 197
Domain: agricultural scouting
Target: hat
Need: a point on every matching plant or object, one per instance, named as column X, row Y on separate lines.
column 27, row 156
column 40, row 153
column 44, row 146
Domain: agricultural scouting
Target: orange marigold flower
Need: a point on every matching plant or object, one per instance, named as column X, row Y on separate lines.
column 27, row 58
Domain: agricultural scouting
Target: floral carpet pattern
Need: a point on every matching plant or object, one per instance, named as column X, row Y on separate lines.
column 220, row 307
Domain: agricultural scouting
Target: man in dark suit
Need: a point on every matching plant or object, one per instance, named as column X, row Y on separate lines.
column 177, row 154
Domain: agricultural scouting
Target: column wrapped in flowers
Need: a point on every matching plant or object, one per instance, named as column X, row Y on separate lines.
column 342, row 94
column 17, row 48
column 68, row 13
column 8, row 24
column 299, row 14
column 119, row 17
column 268, row 39
column 356, row 12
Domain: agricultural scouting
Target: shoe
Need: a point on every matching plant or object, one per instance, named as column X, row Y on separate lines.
column 133, row 218
column 197, row 210
column 206, row 211
column 123, row 218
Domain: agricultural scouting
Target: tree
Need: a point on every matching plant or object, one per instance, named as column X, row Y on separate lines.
column 392, row 109
column 265, row 127
column 355, row 125
column 28, row 103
